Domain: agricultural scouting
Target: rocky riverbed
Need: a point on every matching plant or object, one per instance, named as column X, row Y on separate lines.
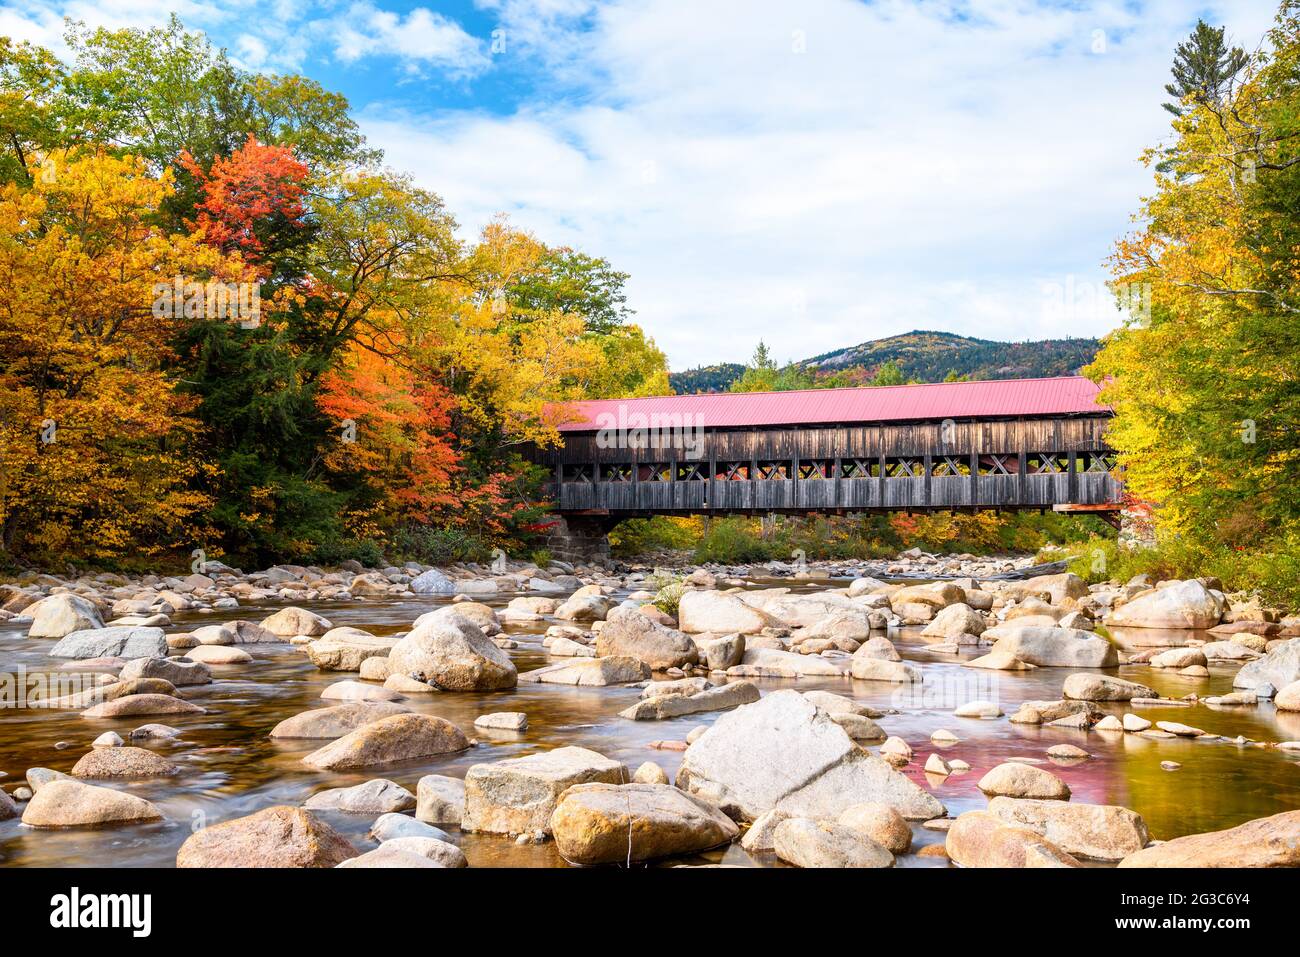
column 914, row 712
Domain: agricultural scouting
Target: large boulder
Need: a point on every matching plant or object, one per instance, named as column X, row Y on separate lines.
column 1054, row 588
column 343, row 649
column 1288, row 699
column 480, row 614
column 1017, row 780
column 219, row 655
column 871, row 668
column 519, row 795
column 1083, row 686
column 336, row 721
column 720, row 653
column 403, row 737
column 122, row 763
column 612, row 823
column 1101, row 832
column 591, row 672
column 432, row 582
column 64, row 802
column 720, row 613
column 580, row 607
column 812, row 614
column 276, row 837
column 293, row 621
column 180, row 672
column 1053, row 647
column 628, row 632
column 785, row 752
column 981, row 839
column 379, row 796
column 1279, row 667
column 440, row 799
column 674, row 705
column 119, row 641
column 1178, row 658
column 8, row 807
column 1264, row 842
column 453, row 653
column 60, row 615
column 955, row 621
column 440, row 852
column 1184, row 604
column 389, row 856
column 807, row 843
column 907, row 601
column 135, row 705
column 881, row 823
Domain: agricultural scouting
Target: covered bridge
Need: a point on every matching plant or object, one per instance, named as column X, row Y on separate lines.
column 1010, row 444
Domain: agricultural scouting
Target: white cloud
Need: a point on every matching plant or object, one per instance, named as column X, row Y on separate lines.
column 820, row 174
column 814, row 174
column 420, row 36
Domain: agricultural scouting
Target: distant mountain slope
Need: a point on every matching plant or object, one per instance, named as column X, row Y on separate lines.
column 926, row 357
column 716, row 378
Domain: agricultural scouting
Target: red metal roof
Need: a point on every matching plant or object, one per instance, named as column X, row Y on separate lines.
column 1065, row 395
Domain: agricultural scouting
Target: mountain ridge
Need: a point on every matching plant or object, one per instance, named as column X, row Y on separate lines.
column 923, row 356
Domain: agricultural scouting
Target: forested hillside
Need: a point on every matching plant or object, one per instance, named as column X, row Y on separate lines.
column 921, row 356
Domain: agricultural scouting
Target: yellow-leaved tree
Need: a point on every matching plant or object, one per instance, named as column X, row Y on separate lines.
column 93, row 437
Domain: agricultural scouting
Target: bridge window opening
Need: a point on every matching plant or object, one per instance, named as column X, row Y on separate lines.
column 578, row 474
column 616, row 473
column 770, row 471
column 692, row 472
column 1098, row 461
column 655, row 472
column 733, row 471
column 904, row 468
column 860, row 468
column 948, row 467
column 1043, row 463
column 814, row 469
column 1008, row 464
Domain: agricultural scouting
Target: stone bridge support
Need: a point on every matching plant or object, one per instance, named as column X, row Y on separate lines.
column 579, row 538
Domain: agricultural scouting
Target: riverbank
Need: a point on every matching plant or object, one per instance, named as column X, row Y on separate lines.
column 216, row 698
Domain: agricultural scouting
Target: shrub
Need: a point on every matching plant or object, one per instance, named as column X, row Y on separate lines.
column 1272, row 568
column 439, row 546
column 669, row 597
column 336, row 551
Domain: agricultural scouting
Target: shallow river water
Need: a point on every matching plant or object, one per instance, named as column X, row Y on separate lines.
column 231, row 767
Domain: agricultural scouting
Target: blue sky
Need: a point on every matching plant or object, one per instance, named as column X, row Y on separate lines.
column 810, row 172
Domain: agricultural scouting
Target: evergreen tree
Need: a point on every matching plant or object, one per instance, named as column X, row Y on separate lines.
column 1204, row 68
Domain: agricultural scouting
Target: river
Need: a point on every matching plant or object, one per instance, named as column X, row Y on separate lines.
column 230, row 766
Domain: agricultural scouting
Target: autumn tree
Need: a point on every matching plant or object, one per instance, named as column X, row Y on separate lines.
column 95, row 442
column 1206, row 381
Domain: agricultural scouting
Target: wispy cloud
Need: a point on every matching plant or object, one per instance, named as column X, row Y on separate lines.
column 813, row 173
column 822, row 173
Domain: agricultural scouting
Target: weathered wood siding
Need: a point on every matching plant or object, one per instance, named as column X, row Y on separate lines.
column 1023, row 463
